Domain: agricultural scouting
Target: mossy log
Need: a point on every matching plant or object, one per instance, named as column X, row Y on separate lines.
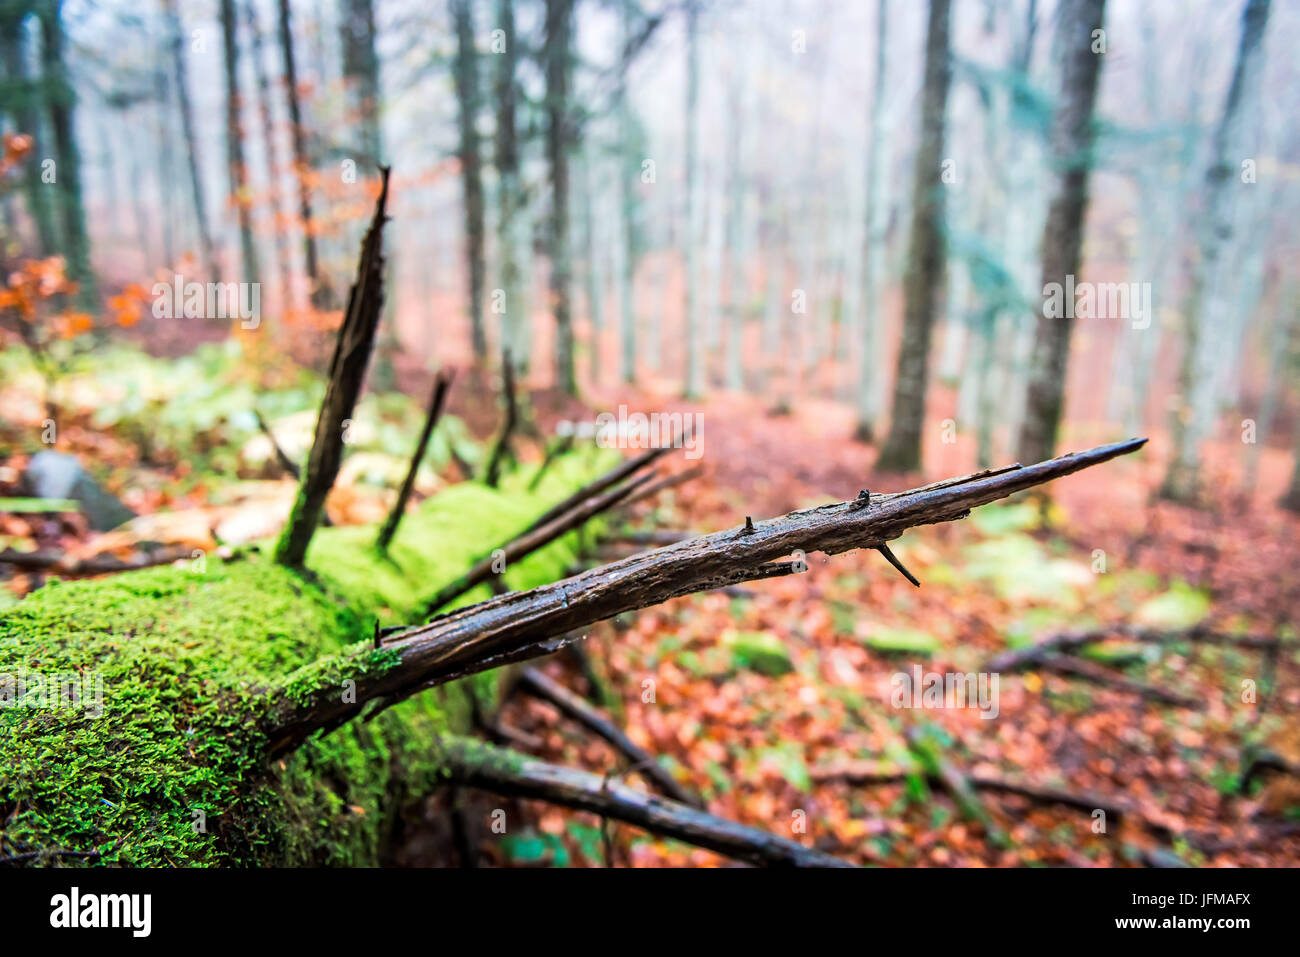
column 171, row 767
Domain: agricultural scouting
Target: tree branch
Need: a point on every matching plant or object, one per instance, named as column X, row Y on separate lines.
column 573, row 707
column 440, row 386
column 347, row 373
column 529, row 623
column 476, row 764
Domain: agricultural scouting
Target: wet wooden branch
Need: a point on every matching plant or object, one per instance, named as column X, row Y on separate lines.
column 440, row 386
column 474, row 764
column 347, row 372
column 575, row 708
column 530, row 623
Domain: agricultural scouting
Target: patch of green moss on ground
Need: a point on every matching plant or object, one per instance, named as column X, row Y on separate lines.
column 172, row 772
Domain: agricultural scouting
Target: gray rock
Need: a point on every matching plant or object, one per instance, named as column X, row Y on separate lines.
column 58, row 475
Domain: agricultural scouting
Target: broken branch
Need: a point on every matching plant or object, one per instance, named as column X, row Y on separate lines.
column 526, row 624
column 476, row 764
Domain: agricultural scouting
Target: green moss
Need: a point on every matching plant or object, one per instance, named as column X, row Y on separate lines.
column 172, row 770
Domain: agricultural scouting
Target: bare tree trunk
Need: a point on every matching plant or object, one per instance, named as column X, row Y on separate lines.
column 1072, row 138
column 559, row 39
column 235, row 167
column 24, row 102
column 694, row 332
column 1194, row 416
column 280, row 265
column 926, row 256
column 321, row 297
column 361, row 78
column 510, row 221
column 62, row 104
column 471, row 166
column 629, row 171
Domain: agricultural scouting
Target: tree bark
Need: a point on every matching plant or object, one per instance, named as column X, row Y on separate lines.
column 926, row 257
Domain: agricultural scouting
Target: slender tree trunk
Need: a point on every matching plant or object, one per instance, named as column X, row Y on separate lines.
column 24, row 103
column 471, row 167
column 62, row 104
column 737, row 226
column 321, row 297
column 1072, row 138
column 1208, row 295
column 629, row 172
column 279, row 265
column 559, row 39
column 509, row 218
column 694, row 340
column 235, row 143
column 925, row 258
column 181, row 82
column 1291, row 500
column 361, row 79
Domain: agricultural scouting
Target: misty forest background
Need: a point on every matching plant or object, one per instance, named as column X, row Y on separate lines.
column 826, row 226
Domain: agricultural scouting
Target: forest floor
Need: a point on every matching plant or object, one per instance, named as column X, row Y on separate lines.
column 768, row 739
column 767, row 749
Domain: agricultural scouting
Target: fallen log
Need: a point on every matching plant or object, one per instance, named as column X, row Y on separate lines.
column 474, row 764
column 572, row 706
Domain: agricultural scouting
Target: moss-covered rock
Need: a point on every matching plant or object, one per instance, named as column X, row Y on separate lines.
column 167, row 766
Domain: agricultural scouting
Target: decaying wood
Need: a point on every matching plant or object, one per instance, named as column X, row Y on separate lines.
column 1067, row 641
column 60, row 563
column 528, row 624
column 474, row 764
column 1107, row 677
column 440, row 386
column 574, row 707
column 870, row 773
column 347, row 372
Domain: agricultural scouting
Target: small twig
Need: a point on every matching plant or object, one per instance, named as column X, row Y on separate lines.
column 893, row 560
column 281, row 456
